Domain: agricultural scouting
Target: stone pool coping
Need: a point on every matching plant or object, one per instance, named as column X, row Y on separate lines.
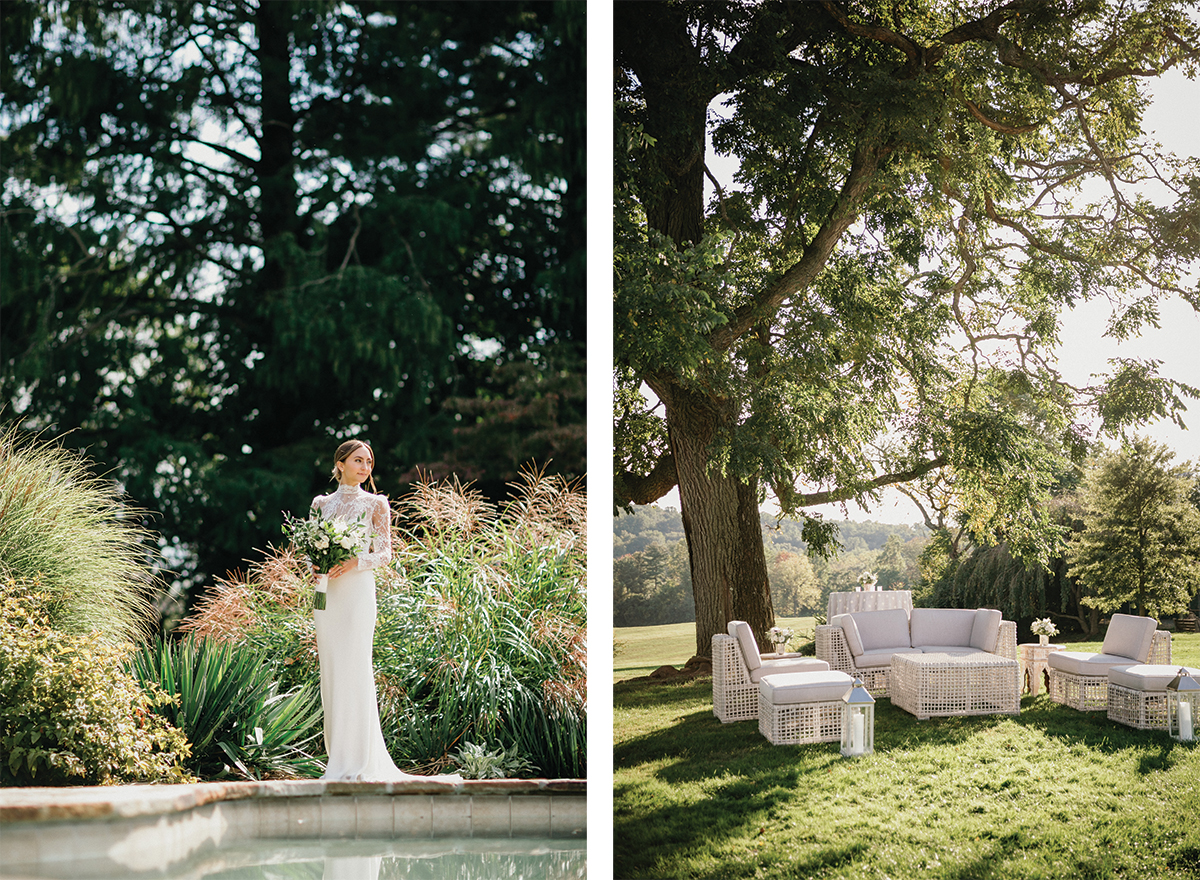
column 136, row 830
column 83, row 803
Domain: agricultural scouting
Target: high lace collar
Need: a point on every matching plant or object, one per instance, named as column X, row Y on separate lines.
column 345, row 489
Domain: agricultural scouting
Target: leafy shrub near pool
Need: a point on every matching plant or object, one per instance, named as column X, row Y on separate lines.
column 72, row 531
column 232, row 710
column 481, row 628
column 69, row 712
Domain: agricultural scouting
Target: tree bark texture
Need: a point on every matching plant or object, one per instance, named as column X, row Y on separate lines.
column 721, row 525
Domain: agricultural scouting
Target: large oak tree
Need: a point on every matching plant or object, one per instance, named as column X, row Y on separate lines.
column 924, row 188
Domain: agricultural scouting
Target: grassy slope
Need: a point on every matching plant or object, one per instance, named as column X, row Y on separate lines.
column 639, row 650
column 1051, row 793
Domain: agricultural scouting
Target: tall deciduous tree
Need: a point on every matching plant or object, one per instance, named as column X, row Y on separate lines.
column 879, row 301
column 1140, row 544
column 235, row 232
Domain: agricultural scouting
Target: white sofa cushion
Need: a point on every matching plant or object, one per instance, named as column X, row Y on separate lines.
column 850, row 631
column 1083, row 663
column 882, row 629
column 1150, row 677
column 741, row 631
column 1129, row 636
column 880, row 657
column 942, row 626
column 790, row 665
column 986, row 630
column 805, row 687
column 955, row 650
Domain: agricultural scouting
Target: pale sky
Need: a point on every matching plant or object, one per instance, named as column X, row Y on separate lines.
column 1085, row 351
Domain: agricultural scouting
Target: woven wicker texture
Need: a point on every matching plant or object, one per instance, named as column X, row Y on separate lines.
column 1145, row 710
column 793, row 723
column 944, row 684
column 1089, row 693
column 832, row 648
column 735, row 697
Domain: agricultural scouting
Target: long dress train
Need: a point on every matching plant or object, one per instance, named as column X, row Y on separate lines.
column 345, row 637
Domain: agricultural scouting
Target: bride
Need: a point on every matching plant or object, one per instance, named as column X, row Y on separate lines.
column 346, row 630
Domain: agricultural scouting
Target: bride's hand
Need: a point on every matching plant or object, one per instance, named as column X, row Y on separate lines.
column 344, row 568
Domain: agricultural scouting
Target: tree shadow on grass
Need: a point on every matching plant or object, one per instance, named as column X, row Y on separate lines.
column 1094, row 731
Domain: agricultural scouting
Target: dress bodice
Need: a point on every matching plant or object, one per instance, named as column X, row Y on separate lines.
column 351, row 503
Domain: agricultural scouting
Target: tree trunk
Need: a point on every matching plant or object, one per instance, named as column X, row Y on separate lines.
column 721, row 525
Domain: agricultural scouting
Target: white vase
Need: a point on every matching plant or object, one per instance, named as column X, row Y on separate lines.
column 1043, row 640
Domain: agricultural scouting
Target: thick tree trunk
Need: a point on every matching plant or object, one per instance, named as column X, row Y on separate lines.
column 721, row 525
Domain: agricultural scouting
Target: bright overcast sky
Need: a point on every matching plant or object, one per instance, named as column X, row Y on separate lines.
column 1173, row 121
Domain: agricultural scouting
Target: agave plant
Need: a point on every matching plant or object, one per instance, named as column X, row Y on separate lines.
column 230, row 708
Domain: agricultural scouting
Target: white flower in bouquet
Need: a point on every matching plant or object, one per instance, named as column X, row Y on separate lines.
column 1044, row 627
column 325, row 542
column 780, row 635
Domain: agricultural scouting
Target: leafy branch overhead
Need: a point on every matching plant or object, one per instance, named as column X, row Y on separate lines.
column 921, row 193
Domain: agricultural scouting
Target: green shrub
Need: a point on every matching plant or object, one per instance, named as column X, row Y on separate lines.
column 69, row 712
column 480, row 634
column 475, row 762
column 61, row 524
column 231, row 709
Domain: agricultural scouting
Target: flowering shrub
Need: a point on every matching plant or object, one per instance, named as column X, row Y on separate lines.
column 69, row 713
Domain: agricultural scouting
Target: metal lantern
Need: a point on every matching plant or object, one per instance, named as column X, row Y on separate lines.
column 858, row 721
column 1183, row 704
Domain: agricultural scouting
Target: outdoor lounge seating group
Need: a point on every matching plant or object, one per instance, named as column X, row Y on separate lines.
column 934, row 662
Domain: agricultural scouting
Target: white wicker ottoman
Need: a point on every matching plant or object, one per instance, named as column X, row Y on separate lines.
column 802, row 707
column 1137, row 695
column 979, row 683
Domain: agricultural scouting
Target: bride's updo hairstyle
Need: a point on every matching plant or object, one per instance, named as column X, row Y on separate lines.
column 345, row 451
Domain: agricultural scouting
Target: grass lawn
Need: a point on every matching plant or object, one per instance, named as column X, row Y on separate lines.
column 1051, row 793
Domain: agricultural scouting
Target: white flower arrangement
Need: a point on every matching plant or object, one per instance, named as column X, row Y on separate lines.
column 1044, row 627
column 326, row 542
column 780, row 635
column 867, row 580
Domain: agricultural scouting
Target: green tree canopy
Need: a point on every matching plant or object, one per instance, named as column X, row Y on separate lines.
column 924, row 188
column 237, row 232
column 1140, row 545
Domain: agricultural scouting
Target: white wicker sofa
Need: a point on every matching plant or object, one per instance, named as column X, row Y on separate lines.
column 862, row 643
column 738, row 668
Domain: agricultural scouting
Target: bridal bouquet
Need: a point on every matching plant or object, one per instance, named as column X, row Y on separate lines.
column 325, row 542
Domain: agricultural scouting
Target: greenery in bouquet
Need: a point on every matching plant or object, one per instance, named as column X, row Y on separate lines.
column 326, row 542
column 1044, row 627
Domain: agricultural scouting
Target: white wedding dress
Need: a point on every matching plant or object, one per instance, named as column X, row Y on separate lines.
column 345, row 637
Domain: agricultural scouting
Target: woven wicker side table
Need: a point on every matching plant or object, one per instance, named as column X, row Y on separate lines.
column 1033, row 663
column 929, row 685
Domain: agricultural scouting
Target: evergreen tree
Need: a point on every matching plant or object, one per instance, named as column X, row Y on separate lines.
column 1140, row 545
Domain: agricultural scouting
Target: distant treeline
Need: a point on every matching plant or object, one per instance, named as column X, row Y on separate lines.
column 652, row 580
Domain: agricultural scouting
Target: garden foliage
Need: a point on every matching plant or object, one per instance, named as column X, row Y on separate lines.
column 481, row 627
column 232, row 710
column 69, row 712
column 74, row 533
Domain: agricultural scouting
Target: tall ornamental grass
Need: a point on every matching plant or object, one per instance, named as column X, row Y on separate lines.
column 480, row 637
column 71, row 532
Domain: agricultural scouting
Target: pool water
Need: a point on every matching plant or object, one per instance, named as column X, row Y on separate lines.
column 450, row 859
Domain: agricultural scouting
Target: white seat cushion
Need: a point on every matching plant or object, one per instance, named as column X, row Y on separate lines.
column 805, row 687
column 741, row 631
column 1147, row 677
column 954, row 650
column 942, row 626
column 985, row 632
column 1129, row 636
column 881, row 657
column 882, row 629
column 789, row 665
column 1083, row 663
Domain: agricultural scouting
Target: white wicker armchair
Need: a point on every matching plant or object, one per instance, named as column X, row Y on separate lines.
column 735, row 685
column 1080, row 680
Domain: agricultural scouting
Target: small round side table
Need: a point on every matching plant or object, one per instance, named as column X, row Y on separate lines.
column 1033, row 663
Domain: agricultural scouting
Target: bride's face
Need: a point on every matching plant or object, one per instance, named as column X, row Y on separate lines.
column 356, row 467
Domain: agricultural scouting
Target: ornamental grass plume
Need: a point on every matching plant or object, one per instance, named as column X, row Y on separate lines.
column 74, row 534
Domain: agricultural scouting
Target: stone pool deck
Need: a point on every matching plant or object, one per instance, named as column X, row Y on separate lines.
column 134, row 829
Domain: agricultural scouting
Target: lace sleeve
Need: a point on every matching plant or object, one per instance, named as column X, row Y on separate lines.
column 379, row 552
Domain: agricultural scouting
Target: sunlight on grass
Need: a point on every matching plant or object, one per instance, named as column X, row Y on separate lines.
column 1051, row 793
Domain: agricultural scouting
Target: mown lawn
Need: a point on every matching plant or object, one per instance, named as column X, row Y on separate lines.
column 1051, row 793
